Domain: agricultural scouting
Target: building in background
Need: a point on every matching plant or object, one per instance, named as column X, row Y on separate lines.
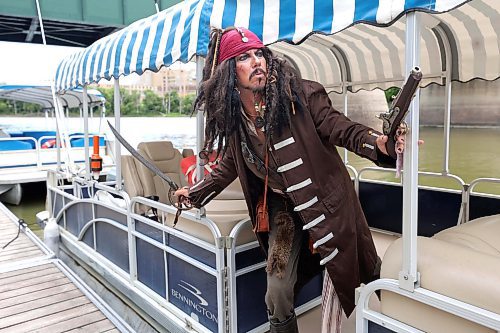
column 180, row 78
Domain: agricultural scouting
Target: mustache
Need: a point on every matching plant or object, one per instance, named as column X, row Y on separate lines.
column 257, row 71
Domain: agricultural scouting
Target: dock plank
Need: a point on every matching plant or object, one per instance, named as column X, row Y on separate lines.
column 26, row 283
column 32, row 252
column 22, row 238
column 39, row 303
column 50, row 319
column 8, row 234
column 40, row 294
column 100, row 326
column 40, row 298
column 20, row 272
column 12, row 237
column 43, row 312
column 32, row 288
column 23, row 243
column 28, row 276
column 74, row 323
column 7, row 224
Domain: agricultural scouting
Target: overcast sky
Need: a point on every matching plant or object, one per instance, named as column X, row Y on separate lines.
column 26, row 63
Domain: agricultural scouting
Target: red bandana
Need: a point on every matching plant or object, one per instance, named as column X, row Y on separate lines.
column 237, row 41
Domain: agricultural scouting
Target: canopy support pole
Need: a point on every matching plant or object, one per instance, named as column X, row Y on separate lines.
column 118, row 155
column 86, row 131
column 200, row 120
column 343, row 72
column 447, row 98
column 408, row 276
column 39, row 12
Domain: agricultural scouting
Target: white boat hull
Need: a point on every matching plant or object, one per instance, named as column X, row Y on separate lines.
column 11, row 193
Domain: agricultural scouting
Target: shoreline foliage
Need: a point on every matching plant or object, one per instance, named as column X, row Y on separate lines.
column 133, row 104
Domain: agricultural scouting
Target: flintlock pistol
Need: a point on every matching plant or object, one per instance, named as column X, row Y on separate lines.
column 393, row 118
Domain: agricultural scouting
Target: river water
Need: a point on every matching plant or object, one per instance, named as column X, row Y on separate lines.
column 474, row 152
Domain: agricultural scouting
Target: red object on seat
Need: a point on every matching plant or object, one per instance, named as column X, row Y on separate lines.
column 188, row 167
column 49, row 144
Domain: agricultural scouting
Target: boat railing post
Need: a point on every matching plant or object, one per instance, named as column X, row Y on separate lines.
column 118, row 154
column 58, row 139
column 132, row 254
column 408, row 276
column 200, row 125
column 86, row 131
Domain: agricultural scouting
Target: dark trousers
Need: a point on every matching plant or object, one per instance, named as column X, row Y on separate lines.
column 280, row 290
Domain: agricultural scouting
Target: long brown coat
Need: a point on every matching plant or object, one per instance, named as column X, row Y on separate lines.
column 319, row 186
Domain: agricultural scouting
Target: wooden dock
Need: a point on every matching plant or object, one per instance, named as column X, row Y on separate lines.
column 38, row 293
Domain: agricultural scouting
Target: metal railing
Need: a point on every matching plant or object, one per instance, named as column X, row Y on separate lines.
column 133, row 235
column 224, row 248
column 40, row 156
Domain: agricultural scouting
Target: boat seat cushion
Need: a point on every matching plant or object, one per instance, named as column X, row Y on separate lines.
column 133, row 185
column 132, row 182
column 225, row 210
column 164, row 156
column 481, row 235
column 462, row 263
column 15, row 145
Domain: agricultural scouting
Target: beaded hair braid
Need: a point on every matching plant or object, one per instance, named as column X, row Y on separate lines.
column 219, row 98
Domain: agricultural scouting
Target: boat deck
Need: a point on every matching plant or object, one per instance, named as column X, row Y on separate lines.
column 39, row 293
column 22, row 175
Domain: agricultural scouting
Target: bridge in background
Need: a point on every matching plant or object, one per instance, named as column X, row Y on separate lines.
column 71, row 22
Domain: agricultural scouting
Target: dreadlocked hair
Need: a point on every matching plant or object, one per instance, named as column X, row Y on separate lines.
column 219, row 98
column 283, row 87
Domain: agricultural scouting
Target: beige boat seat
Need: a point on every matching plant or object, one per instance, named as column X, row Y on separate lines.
column 462, row 262
column 168, row 159
column 225, row 210
column 131, row 181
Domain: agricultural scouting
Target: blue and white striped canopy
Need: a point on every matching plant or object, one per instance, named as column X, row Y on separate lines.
column 342, row 42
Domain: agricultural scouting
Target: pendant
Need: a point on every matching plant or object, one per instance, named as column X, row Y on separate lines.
column 259, row 122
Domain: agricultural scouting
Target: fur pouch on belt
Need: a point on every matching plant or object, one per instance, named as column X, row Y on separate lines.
column 279, row 253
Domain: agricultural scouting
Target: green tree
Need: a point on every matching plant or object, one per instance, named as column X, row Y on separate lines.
column 108, row 95
column 187, row 103
column 4, row 107
column 130, row 105
column 174, row 102
column 151, row 104
column 390, row 94
column 9, row 107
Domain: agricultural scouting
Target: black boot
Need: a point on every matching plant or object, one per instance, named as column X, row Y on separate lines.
column 287, row 326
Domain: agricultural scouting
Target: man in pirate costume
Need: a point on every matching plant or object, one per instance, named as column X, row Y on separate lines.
column 278, row 133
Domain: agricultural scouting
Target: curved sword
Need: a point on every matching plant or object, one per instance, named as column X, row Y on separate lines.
column 142, row 159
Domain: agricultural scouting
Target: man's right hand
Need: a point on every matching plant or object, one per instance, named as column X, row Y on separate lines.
column 183, row 194
column 182, row 191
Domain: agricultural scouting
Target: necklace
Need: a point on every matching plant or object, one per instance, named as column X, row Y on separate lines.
column 260, row 109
